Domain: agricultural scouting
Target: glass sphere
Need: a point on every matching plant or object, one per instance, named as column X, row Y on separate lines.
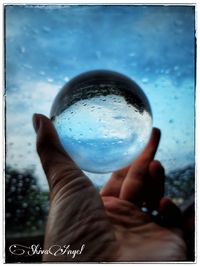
column 103, row 120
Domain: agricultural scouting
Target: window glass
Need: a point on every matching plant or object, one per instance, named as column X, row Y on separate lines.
column 45, row 46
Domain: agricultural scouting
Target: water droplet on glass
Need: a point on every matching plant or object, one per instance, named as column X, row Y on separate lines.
column 176, row 68
column 46, row 29
column 22, row 49
column 132, row 54
column 110, row 118
column 66, row 79
column 50, row 80
column 24, row 205
column 145, row 80
column 27, row 66
column 42, row 73
column 8, row 215
column 13, row 188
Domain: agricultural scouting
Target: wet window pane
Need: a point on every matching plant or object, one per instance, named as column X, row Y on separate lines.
column 48, row 45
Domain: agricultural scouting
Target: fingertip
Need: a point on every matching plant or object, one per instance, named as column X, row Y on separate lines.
column 48, row 142
column 37, row 120
column 170, row 212
column 155, row 184
column 156, row 168
column 156, row 133
column 157, row 130
column 165, row 202
column 152, row 146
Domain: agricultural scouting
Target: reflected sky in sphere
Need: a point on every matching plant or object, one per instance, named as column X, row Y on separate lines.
column 104, row 133
column 103, row 120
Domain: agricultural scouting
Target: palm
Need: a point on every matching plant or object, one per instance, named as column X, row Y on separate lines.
column 138, row 238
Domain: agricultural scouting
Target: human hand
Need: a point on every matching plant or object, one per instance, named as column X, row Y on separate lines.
column 110, row 224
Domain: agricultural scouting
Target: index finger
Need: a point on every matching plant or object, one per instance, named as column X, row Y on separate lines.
column 148, row 153
column 133, row 184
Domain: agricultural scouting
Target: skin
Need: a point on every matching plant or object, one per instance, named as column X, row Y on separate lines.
column 110, row 223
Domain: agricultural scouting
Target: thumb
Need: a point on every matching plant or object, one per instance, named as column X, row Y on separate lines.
column 57, row 164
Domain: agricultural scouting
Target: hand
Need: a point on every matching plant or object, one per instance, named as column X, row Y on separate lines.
column 110, row 224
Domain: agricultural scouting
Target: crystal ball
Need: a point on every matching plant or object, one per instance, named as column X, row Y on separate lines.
column 103, row 120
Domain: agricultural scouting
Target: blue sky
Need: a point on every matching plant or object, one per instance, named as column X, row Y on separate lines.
column 48, row 45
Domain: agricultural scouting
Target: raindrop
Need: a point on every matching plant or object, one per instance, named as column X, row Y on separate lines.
column 161, row 71
column 8, row 215
column 178, row 23
column 22, row 49
column 66, row 79
column 33, row 187
column 154, row 213
column 27, row 66
column 33, row 228
column 176, row 68
column 46, row 29
column 20, row 184
column 13, row 188
column 167, row 71
column 145, row 80
column 35, row 31
column 42, row 73
column 8, row 176
column 50, row 80
column 24, row 205
column 132, row 54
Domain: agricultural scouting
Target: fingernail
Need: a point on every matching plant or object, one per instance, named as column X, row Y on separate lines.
column 36, row 122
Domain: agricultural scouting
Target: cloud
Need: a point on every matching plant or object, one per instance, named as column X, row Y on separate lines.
column 103, row 117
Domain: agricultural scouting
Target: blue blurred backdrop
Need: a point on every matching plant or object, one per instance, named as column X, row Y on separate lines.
column 48, row 45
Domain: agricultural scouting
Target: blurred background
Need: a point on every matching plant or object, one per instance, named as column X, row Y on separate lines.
column 45, row 46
